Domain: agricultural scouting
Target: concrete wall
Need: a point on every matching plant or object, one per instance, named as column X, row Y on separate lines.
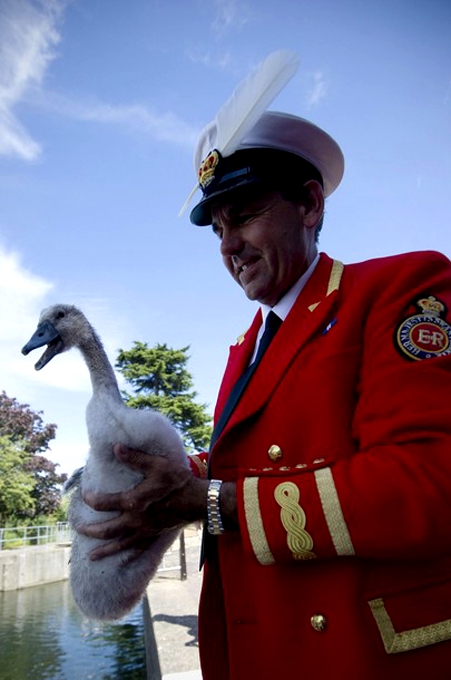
column 33, row 566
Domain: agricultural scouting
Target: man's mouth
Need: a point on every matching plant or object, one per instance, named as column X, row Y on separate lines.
column 247, row 271
column 245, row 266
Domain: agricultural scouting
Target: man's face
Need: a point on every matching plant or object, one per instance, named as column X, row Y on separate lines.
column 264, row 243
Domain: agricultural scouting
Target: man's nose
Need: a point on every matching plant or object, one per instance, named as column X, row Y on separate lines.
column 231, row 242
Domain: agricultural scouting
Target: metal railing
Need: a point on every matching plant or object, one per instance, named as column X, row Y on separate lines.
column 21, row 537
column 174, row 558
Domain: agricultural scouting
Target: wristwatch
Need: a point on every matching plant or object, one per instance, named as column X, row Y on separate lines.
column 214, row 519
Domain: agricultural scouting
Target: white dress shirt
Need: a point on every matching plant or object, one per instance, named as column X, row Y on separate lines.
column 283, row 307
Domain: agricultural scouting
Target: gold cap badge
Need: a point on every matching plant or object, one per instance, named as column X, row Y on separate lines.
column 206, row 172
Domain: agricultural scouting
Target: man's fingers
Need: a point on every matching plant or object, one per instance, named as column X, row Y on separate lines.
column 104, row 501
column 136, row 459
column 161, row 471
column 133, row 500
column 104, row 530
column 119, row 546
column 111, row 548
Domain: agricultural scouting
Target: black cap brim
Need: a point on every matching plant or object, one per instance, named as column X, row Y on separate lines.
column 201, row 213
column 272, row 168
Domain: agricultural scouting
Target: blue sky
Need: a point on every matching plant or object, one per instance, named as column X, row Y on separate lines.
column 100, row 106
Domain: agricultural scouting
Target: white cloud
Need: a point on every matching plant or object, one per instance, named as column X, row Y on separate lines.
column 22, row 296
column 28, row 36
column 165, row 127
column 318, row 90
column 21, row 293
column 199, row 55
column 230, row 14
column 14, row 139
column 62, row 389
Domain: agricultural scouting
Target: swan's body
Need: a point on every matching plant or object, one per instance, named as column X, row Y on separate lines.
column 108, row 588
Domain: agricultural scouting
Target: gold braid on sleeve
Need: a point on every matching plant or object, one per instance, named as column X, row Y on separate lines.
column 293, row 519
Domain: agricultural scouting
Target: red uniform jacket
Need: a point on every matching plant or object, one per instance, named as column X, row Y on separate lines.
column 341, row 450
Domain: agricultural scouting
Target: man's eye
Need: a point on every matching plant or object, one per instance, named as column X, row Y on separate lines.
column 216, row 231
column 242, row 219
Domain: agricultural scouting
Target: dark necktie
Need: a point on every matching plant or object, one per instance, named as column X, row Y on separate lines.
column 272, row 325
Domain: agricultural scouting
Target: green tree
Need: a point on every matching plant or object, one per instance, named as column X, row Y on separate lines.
column 16, row 484
column 161, row 381
column 25, row 428
column 20, row 423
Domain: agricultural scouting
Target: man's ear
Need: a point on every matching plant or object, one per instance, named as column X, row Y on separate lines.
column 313, row 203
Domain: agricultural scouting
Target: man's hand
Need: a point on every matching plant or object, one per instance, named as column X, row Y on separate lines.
column 168, row 497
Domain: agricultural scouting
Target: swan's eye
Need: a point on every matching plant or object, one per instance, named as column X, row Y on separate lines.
column 61, row 315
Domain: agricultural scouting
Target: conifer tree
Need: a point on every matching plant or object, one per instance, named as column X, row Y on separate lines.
column 160, row 380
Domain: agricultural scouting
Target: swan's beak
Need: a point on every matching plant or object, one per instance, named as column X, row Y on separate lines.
column 45, row 334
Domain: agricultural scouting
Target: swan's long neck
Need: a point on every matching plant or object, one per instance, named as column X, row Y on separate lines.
column 100, row 369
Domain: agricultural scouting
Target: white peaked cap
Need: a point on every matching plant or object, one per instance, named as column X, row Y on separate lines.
column 274, row 130
column 285, row 132
column 302, row 138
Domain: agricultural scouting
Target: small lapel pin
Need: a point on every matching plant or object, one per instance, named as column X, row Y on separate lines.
column 329, row 326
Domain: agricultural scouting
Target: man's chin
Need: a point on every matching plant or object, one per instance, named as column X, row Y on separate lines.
column 255, row 294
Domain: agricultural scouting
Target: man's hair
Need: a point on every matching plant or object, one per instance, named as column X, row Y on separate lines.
column 300, row 194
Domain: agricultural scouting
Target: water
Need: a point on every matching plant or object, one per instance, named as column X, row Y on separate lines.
column 43, row 636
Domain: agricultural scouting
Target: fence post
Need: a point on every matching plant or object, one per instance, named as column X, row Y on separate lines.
column 183, row 571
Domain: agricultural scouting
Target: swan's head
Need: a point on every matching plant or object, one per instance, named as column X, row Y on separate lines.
column 60, row 327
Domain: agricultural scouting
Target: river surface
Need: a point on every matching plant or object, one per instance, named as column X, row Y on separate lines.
column 43, row 636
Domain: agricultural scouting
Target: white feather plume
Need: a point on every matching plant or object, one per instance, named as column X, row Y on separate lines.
column 243, row 109
column 249, row 101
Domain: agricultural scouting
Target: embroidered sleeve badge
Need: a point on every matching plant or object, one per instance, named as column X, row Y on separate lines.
column 425, row 334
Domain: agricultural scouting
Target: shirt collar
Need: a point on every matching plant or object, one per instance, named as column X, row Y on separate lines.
column 283, row 307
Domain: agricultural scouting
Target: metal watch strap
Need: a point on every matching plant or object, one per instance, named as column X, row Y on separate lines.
column 214, row 520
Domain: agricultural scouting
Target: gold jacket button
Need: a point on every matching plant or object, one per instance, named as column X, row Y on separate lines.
column 319, row 622
column 275, row 452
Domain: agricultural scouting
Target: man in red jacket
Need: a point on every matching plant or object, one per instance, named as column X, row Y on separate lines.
column 328, row 497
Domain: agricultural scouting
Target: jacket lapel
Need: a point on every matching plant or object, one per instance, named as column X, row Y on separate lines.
column 310, row 313
column 239, row 357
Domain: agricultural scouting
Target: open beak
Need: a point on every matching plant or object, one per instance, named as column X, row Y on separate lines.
column 45, row 334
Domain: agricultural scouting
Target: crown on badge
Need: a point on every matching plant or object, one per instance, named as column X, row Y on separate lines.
column 431, row 305
column 206, row 172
